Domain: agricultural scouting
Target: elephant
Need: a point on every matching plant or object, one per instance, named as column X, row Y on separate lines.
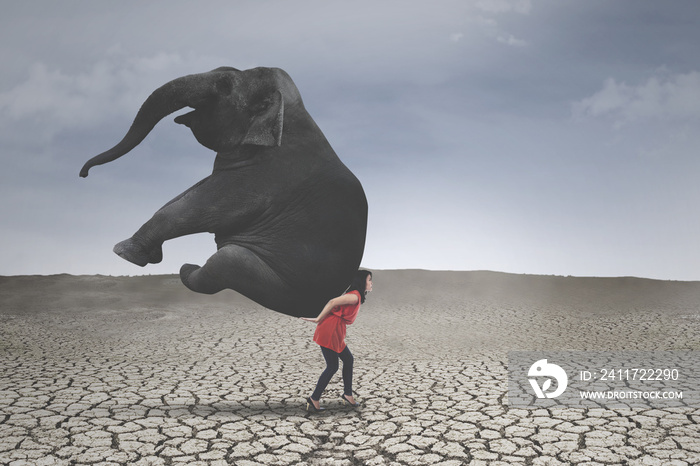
column 289, row 218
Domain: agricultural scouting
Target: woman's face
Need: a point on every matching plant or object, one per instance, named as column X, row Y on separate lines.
column 368, row 284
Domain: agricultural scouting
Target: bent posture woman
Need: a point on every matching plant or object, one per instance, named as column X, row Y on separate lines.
column 330, row 335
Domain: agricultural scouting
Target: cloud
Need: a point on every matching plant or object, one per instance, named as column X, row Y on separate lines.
column 504, row 6
column 668, row 97
column 53, row 100
column 456, row 36
column 509, row 39
column 492, row 29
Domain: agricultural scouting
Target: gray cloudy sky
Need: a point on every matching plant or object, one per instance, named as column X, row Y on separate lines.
column 527, row 136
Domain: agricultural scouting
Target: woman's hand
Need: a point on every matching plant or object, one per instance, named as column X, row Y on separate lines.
column 349, row 298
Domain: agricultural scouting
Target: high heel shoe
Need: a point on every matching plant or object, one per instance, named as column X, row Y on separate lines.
column 310, row 407
column 346, row 401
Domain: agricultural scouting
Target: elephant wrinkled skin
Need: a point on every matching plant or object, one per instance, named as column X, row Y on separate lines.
column 289, row 217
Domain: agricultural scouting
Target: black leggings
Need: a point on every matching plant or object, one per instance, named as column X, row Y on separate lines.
column 331, row 368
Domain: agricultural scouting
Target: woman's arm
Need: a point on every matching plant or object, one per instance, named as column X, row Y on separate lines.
column 350, row 298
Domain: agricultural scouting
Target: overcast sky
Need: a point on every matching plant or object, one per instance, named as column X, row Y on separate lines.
column 544, row 137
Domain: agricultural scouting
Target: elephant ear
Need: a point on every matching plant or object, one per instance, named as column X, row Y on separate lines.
column 266, row 126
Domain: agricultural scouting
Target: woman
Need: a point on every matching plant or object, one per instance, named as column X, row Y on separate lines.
column 330, row 336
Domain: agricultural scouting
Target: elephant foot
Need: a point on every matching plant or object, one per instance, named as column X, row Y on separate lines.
column 185, row 272
column 133, row 252
column 194, row 278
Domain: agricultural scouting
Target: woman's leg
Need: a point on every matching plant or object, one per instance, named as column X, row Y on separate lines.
column 331, row 358
column 346, row 357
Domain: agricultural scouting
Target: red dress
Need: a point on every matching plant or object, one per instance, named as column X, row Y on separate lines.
column 330, row 332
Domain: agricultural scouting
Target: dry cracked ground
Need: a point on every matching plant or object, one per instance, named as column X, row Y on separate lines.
column 112, row 371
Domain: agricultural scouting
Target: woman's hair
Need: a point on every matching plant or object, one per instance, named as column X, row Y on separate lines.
column 359, row 283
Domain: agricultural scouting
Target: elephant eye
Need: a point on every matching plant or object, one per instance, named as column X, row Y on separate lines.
column 224, row 86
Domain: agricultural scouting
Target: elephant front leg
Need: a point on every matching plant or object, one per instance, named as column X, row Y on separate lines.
column 146, row 245
column 188, row 213
column 135, row 252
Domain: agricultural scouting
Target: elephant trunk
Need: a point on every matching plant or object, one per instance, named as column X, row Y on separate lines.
column 187, row 91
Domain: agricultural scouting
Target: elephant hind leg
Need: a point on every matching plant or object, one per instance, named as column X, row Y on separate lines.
column 239, row 269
